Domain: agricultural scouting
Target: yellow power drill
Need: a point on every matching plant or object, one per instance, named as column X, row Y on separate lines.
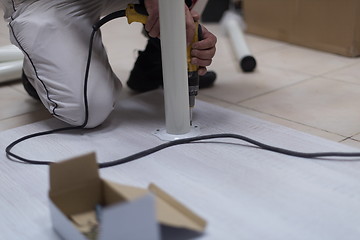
column 137, row 13
column 193, row 75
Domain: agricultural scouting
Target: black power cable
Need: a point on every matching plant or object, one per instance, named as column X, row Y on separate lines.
column 147, row 152
column 227, row 135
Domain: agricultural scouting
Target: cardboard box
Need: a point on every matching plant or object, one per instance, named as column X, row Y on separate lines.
column 328, row 25
column 128, row 213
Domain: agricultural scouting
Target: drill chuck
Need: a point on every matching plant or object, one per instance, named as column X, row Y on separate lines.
column 193, row 78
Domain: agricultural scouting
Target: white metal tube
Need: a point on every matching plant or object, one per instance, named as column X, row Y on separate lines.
column 237, row 38
column 173, row 48
column 10, row 70
column 231, row 23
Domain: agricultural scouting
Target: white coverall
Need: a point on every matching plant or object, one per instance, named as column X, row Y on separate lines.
column 54, row 36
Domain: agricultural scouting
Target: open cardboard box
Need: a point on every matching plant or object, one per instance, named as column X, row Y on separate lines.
column 127, row 213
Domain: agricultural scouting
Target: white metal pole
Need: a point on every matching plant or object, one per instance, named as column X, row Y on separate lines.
column 237, row 38
column 231, row 23
column 173, row 48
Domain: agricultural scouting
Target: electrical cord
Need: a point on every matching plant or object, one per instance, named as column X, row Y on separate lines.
column 10, row 155
column 227, row 135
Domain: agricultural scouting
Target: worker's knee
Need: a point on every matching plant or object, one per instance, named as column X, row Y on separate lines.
column 89, row 115
column 99, row 109
column 56, row 52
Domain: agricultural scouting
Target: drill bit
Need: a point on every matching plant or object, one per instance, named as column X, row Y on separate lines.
column 193, row 92
column 191, row 117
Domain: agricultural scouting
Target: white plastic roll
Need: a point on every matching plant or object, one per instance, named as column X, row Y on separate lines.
column 10, row 53
column 11, row 70
column 173, row 49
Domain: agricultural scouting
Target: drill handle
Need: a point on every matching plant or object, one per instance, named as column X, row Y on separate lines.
column 197, row 37
column 136, row 13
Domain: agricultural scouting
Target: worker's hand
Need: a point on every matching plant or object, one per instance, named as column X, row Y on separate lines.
column 203, row 51
column 152, row 25
column 190, row 26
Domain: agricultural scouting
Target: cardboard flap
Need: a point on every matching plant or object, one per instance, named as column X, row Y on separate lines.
column 68, row 174
column 172, row 213
column 115, row 192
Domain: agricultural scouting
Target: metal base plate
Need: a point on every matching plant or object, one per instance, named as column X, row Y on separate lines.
column 163, row 135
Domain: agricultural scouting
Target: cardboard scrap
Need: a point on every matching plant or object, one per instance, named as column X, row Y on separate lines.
column 76, row 189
